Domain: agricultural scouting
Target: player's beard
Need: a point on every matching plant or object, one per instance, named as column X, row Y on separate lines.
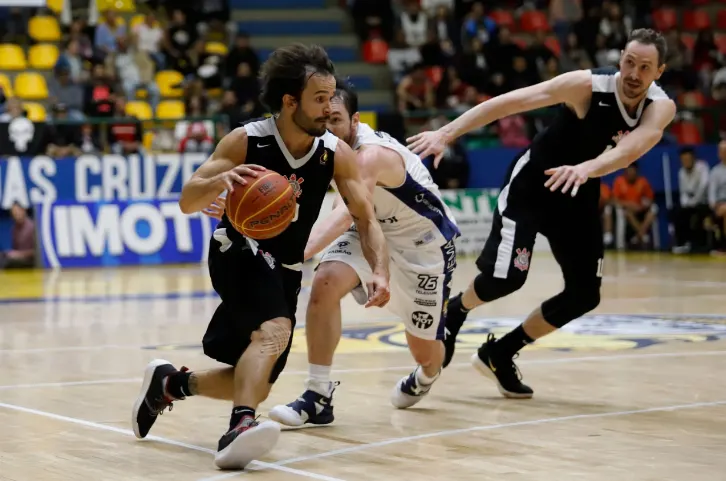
column 308, row 124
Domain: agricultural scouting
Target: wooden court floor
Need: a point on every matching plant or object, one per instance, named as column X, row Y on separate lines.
column 634, row 391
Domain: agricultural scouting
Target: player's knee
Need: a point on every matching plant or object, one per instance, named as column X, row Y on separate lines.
column 489, row 288
column 329, row 284
column 273, row 336
column 570, row 304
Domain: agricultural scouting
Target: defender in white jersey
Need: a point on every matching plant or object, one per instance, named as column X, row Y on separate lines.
column 420, row 232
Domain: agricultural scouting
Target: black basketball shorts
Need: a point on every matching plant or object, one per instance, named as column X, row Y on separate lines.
column 254, row 288
column 572, row 225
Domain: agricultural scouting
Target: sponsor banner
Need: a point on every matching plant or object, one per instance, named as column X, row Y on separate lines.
column 97, row 234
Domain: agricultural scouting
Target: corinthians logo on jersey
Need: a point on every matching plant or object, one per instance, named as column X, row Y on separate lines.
column 296, row 185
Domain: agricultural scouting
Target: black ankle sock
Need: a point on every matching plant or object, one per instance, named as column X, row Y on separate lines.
column 238, row 412
column 177, row 384
column 455, row 315
column 513, row 341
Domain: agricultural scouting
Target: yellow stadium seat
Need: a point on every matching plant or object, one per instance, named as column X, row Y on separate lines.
column 170, row 110
column 44, row 29
column 12, row 57
column 216, row 47
column 31, row 86
column 166, row 79
column 55, row 5
column 7, row 85
column 43, row 56
column 118, row 5
column 140, row 110
column 36, row 111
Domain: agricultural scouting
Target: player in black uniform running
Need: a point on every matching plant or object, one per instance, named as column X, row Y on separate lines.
column 259, row 281
column 607, row 120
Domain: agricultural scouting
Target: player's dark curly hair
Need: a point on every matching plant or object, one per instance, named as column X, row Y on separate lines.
column 288, row 69
column 648, row 36
column 345, row 91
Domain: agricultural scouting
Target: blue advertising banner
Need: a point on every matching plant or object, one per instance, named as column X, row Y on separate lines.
column 74, row 234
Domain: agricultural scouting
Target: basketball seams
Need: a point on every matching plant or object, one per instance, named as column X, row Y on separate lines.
column 287, row 191
column 241, row 201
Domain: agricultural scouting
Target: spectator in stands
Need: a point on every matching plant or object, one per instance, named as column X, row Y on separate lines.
column 573, row 54
column 149, row 39
column 231, row 108
column 433, row 7
column 474, row 66
column 72, row 61
column 15, row 27
column 453, row 93
column 100, row 94
column 242, row 52
column 513, row 131
column 178, row 39
column 443, row 25
column 373, row 14
column 606, row 213
column 13, row 110
column 197, row 140
column 402, row 56
column 693, row 186
column 501, row 53
column 246, row 88
column 135, row 70
column 633, row 194
column 108, row 32
column 477, row 25
column 414, row 24
column 602, row 52
column 125, row 137
column 563, row 15
column 64, row 139
column 88, row 142
column 521, row 74
column 615, row 26
column 22, row 252
column 416, row 91
column 77, row 33
column 538, row 54
column 61, row 88
column 717, row 196
column 215, row 23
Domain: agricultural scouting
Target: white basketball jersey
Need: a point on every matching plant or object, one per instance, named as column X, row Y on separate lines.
column 412, row 214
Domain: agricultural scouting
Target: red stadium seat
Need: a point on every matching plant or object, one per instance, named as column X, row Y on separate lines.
column 521, row 42
column 692, row 99
column 375, row 50
column 689, row 40
column 553, row 44
column 534, row 20
column 435, row 74
column 696, row 20
column 720, row 39
column 687, row 133
column 665, row 19
column 721, row 19
column 503, row 18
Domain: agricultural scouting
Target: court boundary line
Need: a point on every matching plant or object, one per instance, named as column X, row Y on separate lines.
column 557, row 360
column 488, row 427
column 257, row 465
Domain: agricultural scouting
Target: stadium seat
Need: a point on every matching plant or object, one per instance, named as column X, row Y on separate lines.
column 689, row 40
column 720, row 39
column 695, row 20
column 6, row 85
column 721, row 20
column 44, row 29
column 553, row 44
column 534, row 20
column 687, row 133
column 665, row 19
column 435, row 74
column 43, row 56
column 170, row 110
column 503, row 18
column 55, row 5
column 138, row 19
column 140, row 110
column 118, row 5
column 31, row 86
column 166, row 80
column 36, row 112
column 692, row 99
column 12, row 57
column 375, row 50
column 216, row 48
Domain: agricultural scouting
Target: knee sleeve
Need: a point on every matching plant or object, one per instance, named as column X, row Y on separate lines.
column 273, row 337
column 570, row 304
column 489, row 288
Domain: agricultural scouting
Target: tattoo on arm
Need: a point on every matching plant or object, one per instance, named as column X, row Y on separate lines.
column 193, row 384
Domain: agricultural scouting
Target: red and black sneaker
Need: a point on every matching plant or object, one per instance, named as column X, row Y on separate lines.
column 152, row 400
column 247, row 441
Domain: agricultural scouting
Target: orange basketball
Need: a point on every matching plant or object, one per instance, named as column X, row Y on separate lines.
column 263, row 208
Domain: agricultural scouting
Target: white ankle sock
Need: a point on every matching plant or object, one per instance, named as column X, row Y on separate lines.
column 422, row 378
column 319, row 379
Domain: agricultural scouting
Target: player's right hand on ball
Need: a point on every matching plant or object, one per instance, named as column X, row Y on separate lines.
column 379, row 292
column 236, row 175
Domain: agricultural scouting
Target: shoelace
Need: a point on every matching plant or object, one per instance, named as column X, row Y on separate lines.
column 517, row 372
column 164, row 401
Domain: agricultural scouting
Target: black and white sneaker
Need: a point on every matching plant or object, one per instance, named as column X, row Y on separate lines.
column 409, row 391
column 244, row 443
column 311, row 408
column 152, row 400
column 501, row 369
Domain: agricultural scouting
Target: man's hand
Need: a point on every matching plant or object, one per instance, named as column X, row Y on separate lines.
column 226, row 180
column 429, row 143
column 216, row 208
column 379, row 291
column 568, row 177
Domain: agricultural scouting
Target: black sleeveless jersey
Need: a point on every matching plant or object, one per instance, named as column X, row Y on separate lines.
column 310, row 177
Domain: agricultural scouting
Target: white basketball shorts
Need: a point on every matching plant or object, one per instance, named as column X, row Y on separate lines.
column 420, row 281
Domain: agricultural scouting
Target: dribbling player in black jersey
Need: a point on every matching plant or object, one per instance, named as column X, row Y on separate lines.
column 259, row 281
column 608, row 118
